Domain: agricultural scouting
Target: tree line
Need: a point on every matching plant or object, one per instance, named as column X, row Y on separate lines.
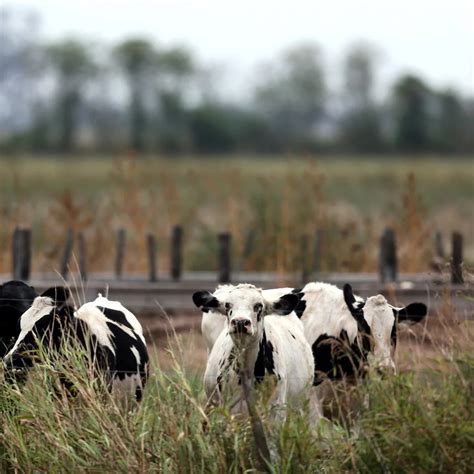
column 73, row 95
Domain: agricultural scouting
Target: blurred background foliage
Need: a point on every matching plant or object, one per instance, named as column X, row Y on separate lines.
column 76, row 96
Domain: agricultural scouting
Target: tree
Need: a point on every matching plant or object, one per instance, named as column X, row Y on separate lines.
column 176, row 68
column 412, row 121
column 448, row 134
column 20, row 69
column 360, row 124
column 293, row 93
column 73, row 67
column 138, row 60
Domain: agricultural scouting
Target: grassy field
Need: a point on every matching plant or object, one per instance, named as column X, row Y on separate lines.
column 283, row 199
column 421, row 420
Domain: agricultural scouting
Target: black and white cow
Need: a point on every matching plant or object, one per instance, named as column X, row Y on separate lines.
column 106, row 329
column 260, row 337
column 337, row 325
column 348, row 334
column 15, row 298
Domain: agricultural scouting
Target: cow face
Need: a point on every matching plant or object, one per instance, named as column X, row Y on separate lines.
column 245, row 306
column 381, row 321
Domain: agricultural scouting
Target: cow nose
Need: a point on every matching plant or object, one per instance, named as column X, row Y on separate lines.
column 241, row 325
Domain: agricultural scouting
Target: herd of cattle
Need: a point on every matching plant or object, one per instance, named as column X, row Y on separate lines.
column 301, row 337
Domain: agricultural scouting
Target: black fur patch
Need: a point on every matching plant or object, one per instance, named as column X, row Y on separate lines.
column 414, row 312
column 116, row 315
column 124, row 362
column 15, row 298
column 336, row 357
column 264, row 363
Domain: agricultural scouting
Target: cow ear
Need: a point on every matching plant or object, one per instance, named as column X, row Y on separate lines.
column 205, row 301
column 58, row 294
column 285, row 305
column 414, row 312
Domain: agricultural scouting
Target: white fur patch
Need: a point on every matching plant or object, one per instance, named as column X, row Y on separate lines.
column 97, row 323
column 42, row 306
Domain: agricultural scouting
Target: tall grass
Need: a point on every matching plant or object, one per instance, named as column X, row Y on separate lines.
column 283, row 201
column 414, row 422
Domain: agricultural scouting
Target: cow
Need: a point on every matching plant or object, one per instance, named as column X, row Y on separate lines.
column 348, row 334
column 329, row 317
column 15, row 298
column 260, row 338
column 104, row 329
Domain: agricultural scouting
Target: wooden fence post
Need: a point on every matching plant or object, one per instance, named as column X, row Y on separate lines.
column 439, row 247
column 224, row 243
column 151, row 247
column 176, row 252
column 66, row 257
column 21, row 257
column 120, row 251
column 457, row 258
column 388, row 257
column 82, row 256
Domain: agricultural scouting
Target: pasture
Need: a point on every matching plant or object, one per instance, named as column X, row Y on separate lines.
column 420, row 420
column 283, row 199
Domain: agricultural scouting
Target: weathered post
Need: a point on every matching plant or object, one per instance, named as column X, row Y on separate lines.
column 82, row 256
column 457, row 258
column 21, row 257
column 388, row 257
column 439, row 247
column 151, row 247
column 120, row 252
column 224, row 243
column 176, row 252
column 67, row 252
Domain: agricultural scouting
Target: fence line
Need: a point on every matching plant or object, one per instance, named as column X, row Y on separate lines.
column 388, row 258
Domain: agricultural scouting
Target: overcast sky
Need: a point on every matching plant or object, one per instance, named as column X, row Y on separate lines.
column 434, row 38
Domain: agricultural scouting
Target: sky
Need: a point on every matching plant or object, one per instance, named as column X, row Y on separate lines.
column 432, row 38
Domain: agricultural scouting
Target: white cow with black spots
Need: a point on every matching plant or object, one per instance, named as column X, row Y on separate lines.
column 346, row 332
column 258, row 338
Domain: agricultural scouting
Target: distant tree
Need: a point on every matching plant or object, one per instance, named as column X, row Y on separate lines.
column 451, row 117
column 360, row 125
column 176, row 69
column 20, row 69
column 412, row 117
column 138, row 60
column 73, row 67
column 292, row 94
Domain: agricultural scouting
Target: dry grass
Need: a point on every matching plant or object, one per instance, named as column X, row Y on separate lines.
column 284, row 201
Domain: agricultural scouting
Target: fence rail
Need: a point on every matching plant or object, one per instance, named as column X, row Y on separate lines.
column 171, row 291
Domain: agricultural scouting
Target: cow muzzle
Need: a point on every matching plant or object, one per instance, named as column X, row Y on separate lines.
column 241, row 326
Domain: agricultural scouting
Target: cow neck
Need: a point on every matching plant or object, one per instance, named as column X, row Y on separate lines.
column 249, row 355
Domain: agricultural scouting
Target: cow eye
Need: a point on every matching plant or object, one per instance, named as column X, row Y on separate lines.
column 257, row 308
column 227, row 306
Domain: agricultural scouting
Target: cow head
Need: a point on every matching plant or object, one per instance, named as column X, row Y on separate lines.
column 379, row 320
column 245, row 307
